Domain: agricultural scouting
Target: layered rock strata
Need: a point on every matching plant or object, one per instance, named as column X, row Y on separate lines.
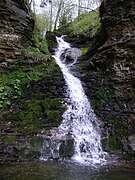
column 110, row 74
column 16, row 29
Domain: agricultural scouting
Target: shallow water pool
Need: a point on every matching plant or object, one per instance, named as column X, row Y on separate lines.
column 65, row 171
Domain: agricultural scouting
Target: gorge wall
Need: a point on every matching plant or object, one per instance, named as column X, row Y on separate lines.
column 31, row 85
column 109, row 68
column 16, row 29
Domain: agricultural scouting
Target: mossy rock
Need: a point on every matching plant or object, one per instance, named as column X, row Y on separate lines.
column 111, row 144
column 53, row 117
column 51, row 40
column 67, row 148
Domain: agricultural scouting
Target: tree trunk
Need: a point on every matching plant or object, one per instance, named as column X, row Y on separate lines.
column 58, row 14
column 79, row 9
column 50, row 16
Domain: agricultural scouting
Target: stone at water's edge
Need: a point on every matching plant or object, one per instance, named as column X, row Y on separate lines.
column 132, row 142
column 57, row 148
column 20, row 148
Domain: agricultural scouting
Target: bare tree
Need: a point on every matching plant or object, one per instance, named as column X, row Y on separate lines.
column 60, row 5
column 59, row 9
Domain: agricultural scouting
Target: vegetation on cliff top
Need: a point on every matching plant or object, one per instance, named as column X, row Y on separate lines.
column 82, row 24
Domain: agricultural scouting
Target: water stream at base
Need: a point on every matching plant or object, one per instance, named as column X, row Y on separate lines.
column 79, row 120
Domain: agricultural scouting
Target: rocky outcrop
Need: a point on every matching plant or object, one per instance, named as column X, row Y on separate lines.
column 110, row 74
column 16, row 29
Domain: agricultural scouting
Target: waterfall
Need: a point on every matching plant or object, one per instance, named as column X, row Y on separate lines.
column 79, row 120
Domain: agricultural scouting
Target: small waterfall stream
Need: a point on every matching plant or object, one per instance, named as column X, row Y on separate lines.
column 79, row 120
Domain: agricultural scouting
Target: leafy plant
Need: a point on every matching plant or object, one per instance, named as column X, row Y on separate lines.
column 16, row 85
column 4, row 102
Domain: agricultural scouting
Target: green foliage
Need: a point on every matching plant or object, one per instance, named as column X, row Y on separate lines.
column 4, row 102
column 32, row 51
column 12, row 83
column 9, row 90
column 83, row 23
column 9, row 139
column 16, row 86
column 65, row 18
column 41, row 42
column 42, row 25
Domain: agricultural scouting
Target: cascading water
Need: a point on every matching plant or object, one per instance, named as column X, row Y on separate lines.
column 79, row 119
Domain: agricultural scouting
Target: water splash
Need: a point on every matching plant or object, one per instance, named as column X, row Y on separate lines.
column 79, row 119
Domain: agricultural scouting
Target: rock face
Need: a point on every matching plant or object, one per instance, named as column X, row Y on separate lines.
column 16, row 29
column 110, row 73
column 31, row 84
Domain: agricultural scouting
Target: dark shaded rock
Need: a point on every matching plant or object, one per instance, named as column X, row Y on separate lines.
column 110, row 74
column 67, row 148
column 11, row 151
column 36, row 102
column 51, row 40
column 23, row 148
column 16, row 28
column 57, row 147
column 132, row 142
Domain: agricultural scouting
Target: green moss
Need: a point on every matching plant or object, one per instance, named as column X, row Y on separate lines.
column 32, row 129
column 13, row 82
column 131, row 155
column 34, row 115
column 111, row 144
column 53, row 117
column 84, row 50
column 83, row 23
column 8, row 159
column 9, row 139
column 102, row 96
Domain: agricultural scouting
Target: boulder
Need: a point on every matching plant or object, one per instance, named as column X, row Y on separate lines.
column 57, row 147
column 11, row 151
column 70, row 56
column 131, row 140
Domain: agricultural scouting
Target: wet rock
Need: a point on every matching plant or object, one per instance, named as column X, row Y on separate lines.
column 67, row 148
column 70, row 56
column 132, row 142
column 57, row 147
column 11, row 151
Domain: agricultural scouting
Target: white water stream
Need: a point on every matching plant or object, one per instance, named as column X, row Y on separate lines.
column 79, row 119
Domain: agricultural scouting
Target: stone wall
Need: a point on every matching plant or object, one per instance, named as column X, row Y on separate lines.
column 16, row 29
